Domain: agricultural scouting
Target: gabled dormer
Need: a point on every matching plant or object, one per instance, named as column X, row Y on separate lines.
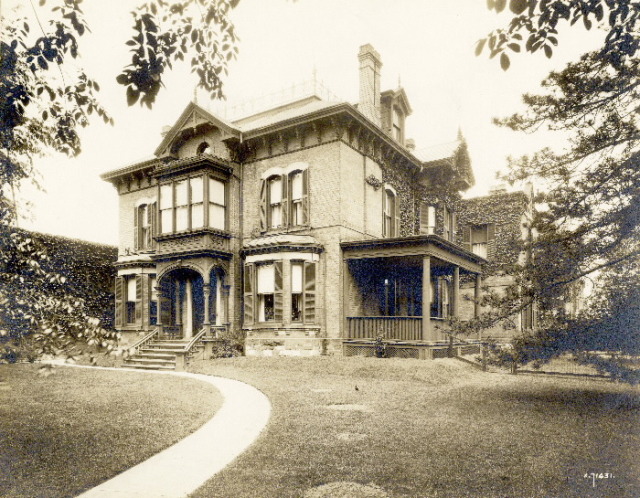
column 395, row 109
column 198, row 132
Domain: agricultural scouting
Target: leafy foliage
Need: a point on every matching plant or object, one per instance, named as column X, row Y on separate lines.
column 588, row 224
column 534, row 26
column 38, row 313
column 45, row 98
column 166, row 32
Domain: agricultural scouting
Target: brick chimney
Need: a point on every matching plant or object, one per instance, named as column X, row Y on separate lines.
column 370, row 65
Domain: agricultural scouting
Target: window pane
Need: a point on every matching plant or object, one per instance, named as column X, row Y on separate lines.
column 296, row 213
column 275, row 190
column 296, row 307
column 197, row 194
column 216, row 216
column 153, row 282
column 166, row 196
column 276, row 216
column 266, row 279
column 216, row 191
column 296, row 185
column 479, row 234
column 296, row 278
column 197, row 216
column 181, row 193
column 166, row 220
column 131, row 289
column 182, row 218
column 480, row 249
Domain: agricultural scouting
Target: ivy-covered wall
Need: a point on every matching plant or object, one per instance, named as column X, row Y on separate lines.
column 88, row 270
column 412, row 193
column 505, row 211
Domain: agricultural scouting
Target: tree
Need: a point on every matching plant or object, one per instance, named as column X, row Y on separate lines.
column 44, row 100
column 588, row 226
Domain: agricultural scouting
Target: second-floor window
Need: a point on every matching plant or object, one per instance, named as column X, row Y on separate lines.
column 427, row 219
column 284, row 201
column 480, row 240
column 182, row 204
column 145, row 226
column 449, row 224
column 274, row 214
column 390, row 216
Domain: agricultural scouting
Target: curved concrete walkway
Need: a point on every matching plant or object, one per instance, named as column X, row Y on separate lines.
column 185, row 466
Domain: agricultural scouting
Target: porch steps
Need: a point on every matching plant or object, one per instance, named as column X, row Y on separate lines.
column 159, row 355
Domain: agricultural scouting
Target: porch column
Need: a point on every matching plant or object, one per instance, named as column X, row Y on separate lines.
column 455, row 292
column 160, row 303
column 178, row 302
column 206, row 291
column 345, row 299
column 477, row 294
column 426, row 298
column 188, row 321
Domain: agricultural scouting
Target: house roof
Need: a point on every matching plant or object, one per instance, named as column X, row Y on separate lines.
column 401, row 95
column 438, row 152
column 281, row 240
column 193, row 112
column 284, row 112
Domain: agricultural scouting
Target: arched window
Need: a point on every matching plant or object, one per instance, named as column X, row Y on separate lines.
column 297, row 186
column 203, row 148
column 274, row 202
column 390, row 217
column 284, row 199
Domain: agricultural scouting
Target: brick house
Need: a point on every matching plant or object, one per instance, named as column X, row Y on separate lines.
column 308, row 228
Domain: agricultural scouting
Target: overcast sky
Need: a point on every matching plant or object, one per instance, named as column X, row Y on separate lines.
column 427, row 45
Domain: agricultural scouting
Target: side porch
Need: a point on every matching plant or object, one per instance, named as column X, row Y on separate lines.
column 400, row 294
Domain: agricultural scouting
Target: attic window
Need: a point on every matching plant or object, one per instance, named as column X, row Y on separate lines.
column 203, row 148
column 398, row 119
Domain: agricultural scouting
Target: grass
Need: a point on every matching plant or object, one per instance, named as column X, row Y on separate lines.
column 430, row 428
column 68, row 432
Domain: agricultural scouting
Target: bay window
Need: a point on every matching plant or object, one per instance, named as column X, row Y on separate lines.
column 296, row 291
column 265, row 292
column 130, row 299
column 217, row 204
column 182, row 204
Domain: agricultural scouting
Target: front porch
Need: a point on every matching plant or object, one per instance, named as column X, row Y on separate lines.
column 403, row 291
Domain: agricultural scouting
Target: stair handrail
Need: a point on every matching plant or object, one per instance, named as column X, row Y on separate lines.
column 196, row 338
column 147, row 338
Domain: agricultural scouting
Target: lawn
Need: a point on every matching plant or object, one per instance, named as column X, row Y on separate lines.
column 430, row 428
column 68, row 432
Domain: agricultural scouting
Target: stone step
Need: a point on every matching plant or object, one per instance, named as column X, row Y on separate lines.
column 145, row 360
column 155, row 354
column 145, row 366
column 166, row 350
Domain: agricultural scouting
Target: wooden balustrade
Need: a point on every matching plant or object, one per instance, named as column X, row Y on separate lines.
column 400, row 328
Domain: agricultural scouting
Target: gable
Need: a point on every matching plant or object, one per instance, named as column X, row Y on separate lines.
column 194, row 121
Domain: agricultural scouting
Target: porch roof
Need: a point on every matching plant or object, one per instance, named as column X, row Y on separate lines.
column 415, row 245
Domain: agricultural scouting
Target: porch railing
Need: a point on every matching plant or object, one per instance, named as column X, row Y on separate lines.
column 144, row 341
column 400, row 328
